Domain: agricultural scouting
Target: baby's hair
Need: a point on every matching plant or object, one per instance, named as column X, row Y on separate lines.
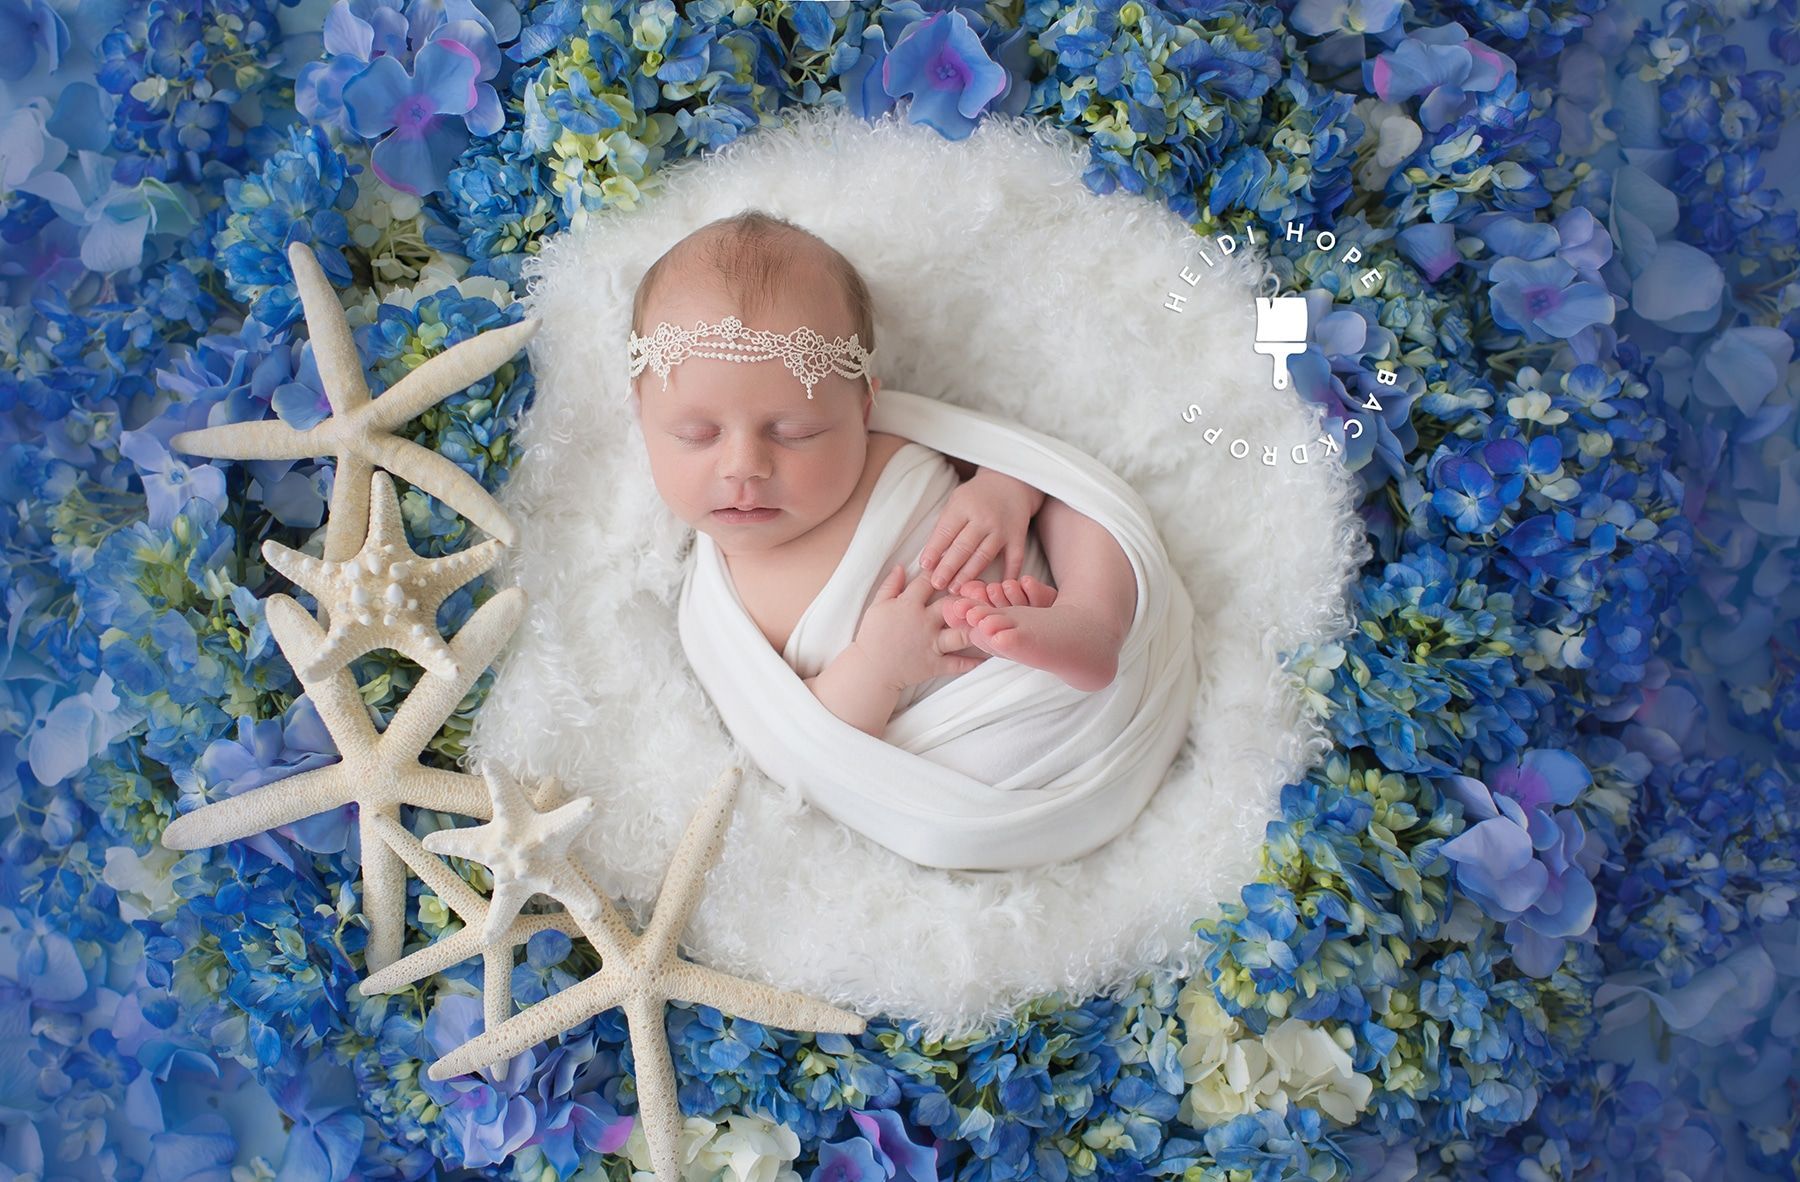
column 749, row 253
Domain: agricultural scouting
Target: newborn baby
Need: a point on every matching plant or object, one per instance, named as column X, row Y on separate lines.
column 778, row 470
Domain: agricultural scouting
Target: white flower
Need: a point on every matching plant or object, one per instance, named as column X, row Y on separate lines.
column 747, row 1148
column 145, row 886
column 1233, row 1071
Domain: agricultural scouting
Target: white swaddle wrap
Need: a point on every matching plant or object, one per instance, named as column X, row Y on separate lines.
column 1000, row 768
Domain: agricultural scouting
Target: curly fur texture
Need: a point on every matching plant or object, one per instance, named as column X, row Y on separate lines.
column 1001, row 283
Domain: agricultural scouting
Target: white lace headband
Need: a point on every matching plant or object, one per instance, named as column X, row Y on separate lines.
column 807, row 354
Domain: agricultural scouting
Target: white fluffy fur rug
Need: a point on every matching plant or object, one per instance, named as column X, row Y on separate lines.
column 1002, row 283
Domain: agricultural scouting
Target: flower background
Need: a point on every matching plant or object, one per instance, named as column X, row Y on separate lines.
column 1534, row 917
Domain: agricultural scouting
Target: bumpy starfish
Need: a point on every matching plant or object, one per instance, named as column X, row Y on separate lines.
column 643, row 973
column 360, row 429
column 473, row 939
column 385, row 595
column 520, row 845
column 378, row 771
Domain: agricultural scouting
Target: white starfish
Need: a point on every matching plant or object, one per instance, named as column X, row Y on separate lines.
column 520, row 845
column 378, row 771
column 360, row 429
column 643, row 973
column 473, row 939
column 385, row 595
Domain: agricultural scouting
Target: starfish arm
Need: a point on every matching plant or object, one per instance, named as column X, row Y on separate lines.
column 438, row 475
column 780, row 1009
column 509, row 899
column 334, row 349
column 524, row 1030
column 464, row 843
column 260, row 439
column 430, row 651
column 454, row 370
column 435, row 957
column 383, row 894
column 337, row 698
column 280, row 802
column 348, row 521
column 598, row 919
column 454, row 569
column 346, row 641
column 386, row 524
column 433, row 699
column 685, row 878
column 658, row 1104
column 298, row 568
column 496, row 984
column 444, row 882
column 443, row 791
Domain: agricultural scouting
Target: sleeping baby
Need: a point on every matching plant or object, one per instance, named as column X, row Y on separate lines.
column 775, row 463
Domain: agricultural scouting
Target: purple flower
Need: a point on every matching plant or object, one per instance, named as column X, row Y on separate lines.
column 415, row 109
column 940, row 62
column 1540, row 778
column 894, row 1151
column 1545, row 300
column 262, row 753
column 1445, row 65
column 1531, row 870
column 491, row 1115
column 1431, row 246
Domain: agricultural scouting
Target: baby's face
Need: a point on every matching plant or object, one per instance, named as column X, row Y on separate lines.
column 728, row 434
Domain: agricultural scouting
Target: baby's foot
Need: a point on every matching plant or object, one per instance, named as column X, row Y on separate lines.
column 1025, row 592
column 1069, row 641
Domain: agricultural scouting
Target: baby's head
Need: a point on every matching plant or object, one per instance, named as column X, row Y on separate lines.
column 730, row 433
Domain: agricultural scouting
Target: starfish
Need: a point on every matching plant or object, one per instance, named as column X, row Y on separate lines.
column 520, row 845
column 643, row 973
column 360, row 429
column 380, row 772
column 475, row 938
column 385, row 594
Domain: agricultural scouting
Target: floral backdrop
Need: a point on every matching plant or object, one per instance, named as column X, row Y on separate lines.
column 1533, row 919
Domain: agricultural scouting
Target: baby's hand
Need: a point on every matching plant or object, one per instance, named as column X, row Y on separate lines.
column 987, row 515
column 903, row 636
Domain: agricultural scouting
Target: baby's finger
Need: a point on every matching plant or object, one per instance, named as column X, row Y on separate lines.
column 957, row 556
column 919, row 588
column 890, row 586
column 948, row 526
column 978, row 561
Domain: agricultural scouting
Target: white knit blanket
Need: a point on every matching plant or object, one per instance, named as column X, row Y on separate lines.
column 1000, row 768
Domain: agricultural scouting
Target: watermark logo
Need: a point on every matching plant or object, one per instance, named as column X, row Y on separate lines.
column 1283, row 328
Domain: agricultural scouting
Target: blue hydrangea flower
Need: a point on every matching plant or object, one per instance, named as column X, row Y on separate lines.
column 941, row 63
column 417, row 112
column 30, row 29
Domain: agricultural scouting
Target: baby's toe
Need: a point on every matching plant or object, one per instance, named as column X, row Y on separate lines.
column 1037, row 594
column 1015, row 594
column 956, row 610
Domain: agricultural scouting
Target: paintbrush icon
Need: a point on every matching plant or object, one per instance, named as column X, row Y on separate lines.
column 1280, row 331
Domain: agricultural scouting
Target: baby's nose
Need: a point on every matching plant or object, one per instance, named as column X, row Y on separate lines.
column 745, row 459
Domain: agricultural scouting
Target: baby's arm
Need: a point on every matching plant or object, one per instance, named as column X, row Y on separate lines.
column 854, row 690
